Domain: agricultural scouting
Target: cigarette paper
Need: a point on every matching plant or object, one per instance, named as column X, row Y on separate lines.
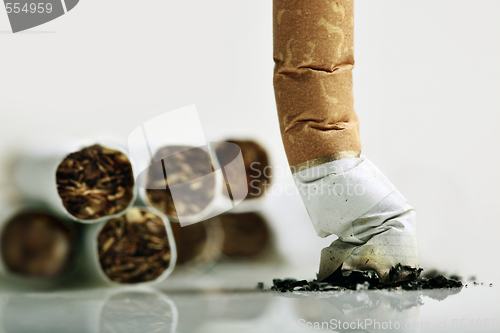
column 86, row 181
column 136, row 248
column 354, row 200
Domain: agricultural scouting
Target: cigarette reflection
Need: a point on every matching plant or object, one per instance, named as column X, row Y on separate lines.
column 402, row 307
column 89, row 312
column 138, row 312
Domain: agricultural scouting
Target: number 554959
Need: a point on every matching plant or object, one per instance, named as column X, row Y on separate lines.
column 34, row 7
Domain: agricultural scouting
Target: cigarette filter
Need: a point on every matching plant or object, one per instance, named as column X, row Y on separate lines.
column 314, row 57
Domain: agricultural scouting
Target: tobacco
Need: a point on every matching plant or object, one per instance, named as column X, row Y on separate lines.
column 134, row 247
column 36, row 244
column 95, row 182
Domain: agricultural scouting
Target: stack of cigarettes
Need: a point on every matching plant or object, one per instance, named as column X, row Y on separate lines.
column 85, row 224
column 88, row 225
column 314, row 57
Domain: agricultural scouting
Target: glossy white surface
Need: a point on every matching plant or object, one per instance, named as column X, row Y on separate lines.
column 472, row 309
column 427, row 78
column 226, row 300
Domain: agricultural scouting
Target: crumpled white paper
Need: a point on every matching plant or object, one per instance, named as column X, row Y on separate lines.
column 354, row 200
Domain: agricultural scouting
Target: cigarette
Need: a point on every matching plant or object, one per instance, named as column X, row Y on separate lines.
column 36, row 245
column 137, row 247
column 90, row 183
column 182, row 183
column 198, row 245
column 246, row 235
column 344, row 193
column 256, row 176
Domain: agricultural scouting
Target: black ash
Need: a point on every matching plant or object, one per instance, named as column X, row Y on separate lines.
column 400, row 277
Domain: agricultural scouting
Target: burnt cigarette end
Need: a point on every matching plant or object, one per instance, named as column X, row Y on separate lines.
column 134, row 248
column 95, row 182
column 36, row 244
column 256, row 162
column 182, row 182
column 245, row 235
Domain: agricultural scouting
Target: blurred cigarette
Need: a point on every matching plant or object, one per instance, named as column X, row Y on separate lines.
column 182, row 183
column 198, row 245
column 137, row 247
column 246, row 235
column 257, row 175
column 90, row 183
column 37, row 245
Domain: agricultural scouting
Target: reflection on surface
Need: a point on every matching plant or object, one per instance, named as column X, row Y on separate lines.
column 138, row 311
column 367, row 308
column 89, row 312
column 149, row 310
column 199, row 311
column 303, row 312
column 47, row 313
column 366, row 311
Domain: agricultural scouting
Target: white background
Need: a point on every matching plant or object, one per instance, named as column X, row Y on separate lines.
column 427, row 83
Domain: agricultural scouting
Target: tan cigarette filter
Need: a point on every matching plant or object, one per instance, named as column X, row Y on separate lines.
column 314, row 57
